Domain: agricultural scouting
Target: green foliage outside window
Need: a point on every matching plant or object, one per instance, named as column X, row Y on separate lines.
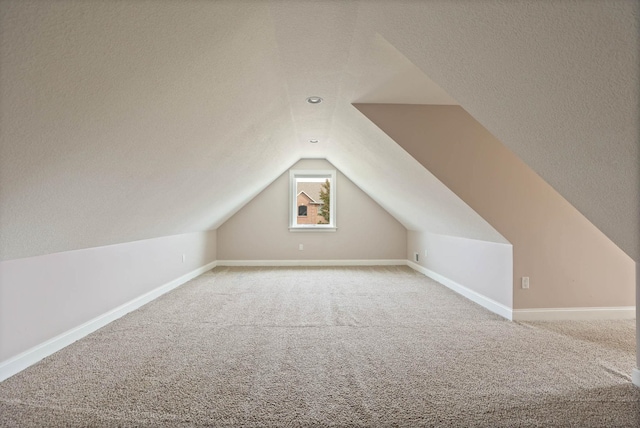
column 325, row 197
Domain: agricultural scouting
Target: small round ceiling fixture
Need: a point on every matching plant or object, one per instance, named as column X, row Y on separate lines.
column 314, row 100
column 313, row 141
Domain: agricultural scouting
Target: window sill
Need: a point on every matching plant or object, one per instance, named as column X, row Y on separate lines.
column 312, row 229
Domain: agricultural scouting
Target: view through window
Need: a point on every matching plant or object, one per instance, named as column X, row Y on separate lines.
column 313, row 202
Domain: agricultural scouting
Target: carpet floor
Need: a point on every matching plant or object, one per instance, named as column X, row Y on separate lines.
column 343, row 346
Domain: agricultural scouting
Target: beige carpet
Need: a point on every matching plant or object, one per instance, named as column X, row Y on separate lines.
column 329, row 347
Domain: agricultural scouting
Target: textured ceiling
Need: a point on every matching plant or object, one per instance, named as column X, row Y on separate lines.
column 126, row 120
column 556, row 81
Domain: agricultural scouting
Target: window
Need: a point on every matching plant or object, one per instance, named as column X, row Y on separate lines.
column 312, row 200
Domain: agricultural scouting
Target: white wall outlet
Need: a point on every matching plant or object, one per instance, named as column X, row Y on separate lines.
column 416, row 257
column 425, row 253
column 300, row 247
column 525, row 282
column 184, row 258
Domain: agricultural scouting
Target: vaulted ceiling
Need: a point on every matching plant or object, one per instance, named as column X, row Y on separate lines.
column 126, row 120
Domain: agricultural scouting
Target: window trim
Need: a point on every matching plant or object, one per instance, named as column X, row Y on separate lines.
column 293, row 200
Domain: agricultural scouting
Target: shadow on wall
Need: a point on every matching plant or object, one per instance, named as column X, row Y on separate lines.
column 567, row 259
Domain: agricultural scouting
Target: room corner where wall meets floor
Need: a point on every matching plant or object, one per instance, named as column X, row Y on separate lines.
column 52, row 300
column 341, row 346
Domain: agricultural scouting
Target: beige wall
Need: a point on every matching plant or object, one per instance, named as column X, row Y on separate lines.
column 569, row 261
column 260, row 230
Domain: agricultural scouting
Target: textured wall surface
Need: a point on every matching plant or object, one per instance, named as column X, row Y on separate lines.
column 260, row 230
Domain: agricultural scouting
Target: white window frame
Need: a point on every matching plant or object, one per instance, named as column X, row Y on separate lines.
column 293, row 200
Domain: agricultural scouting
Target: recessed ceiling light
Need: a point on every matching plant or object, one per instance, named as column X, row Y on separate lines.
column 313, row 141
column 314, row 100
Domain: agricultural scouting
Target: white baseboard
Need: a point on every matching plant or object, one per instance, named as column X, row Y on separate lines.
column 31, row 356
column 635, row 377
column 21, row 361
column 382, row 262
column 485, row 302
column 575, row 314
column 538, row 314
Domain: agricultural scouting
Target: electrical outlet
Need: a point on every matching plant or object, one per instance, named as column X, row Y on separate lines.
column 425, row 253
column 300, row 247
column 416, row 257
column 525, row 282
column 184, row 258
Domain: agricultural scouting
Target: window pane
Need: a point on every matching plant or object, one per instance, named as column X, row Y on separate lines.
column 313, row 195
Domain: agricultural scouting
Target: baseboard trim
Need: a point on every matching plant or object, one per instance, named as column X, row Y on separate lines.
column 381, row 262
column 575, row 314
column 31, row 356
column 27, row 358
column 485, row 302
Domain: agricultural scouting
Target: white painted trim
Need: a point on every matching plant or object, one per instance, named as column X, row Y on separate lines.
column 383, row 262
column 313, row 229
column 293, row 206
column 21, row 361
column 31, row 356
column 542, row 314
column 485, row 302
column 575, row 314
column 635, row 377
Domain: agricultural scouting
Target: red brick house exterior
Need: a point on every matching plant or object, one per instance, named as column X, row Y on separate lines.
column 308, row 210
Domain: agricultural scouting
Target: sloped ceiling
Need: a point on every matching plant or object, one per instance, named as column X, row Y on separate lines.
column 557, row 82
column 134, row 119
